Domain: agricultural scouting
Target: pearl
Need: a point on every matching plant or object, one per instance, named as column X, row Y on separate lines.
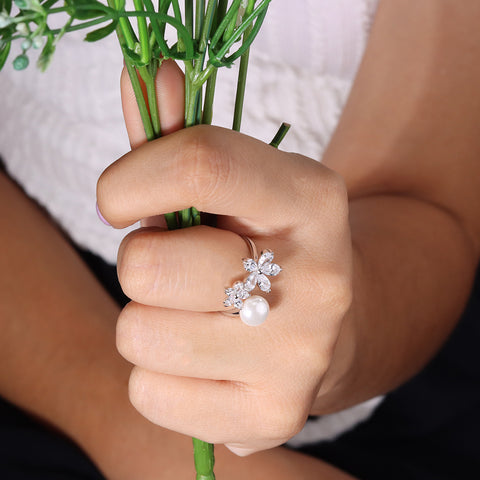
column 254, row 311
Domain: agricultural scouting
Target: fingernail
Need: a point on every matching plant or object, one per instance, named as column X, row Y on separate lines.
column 100, row 216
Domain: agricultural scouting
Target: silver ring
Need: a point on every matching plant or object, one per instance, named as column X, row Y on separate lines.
column 253, row 309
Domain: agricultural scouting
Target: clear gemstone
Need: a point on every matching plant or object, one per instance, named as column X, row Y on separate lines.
column 250, row 282
column 265, row 257
column 271, row 269
column 240, row 291
column 250, row 265
column 238, row 303
column 264, row 283
column 228, row 302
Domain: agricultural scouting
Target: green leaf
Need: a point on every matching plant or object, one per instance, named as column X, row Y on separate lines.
column 6, row 5
column 4, row 51
column 101, row 32
column 86, row 9
column 134, row 58
column 47, row 54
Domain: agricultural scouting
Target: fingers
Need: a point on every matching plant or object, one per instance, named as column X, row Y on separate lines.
column 170, row 87
column 217, row 171
column 188, row 344
column 184, row 269
column 215, row 411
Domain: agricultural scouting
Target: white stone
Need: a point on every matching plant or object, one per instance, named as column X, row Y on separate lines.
column 271, row 269
column 255, row 311
column 250, row 265
column 264, row 283
column 265, row 257
column 251, row 282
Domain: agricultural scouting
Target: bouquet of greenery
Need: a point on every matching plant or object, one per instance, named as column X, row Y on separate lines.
column 209, row 34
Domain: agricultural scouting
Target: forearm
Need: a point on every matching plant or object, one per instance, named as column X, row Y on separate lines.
column 57, row 322
column 57, row 348
column 407, row 150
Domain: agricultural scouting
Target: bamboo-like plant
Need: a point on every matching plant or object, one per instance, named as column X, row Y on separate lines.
column 210, row 34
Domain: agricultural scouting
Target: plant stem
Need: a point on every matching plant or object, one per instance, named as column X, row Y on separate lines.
column 207, row 116
column 282, row 131
column 189, row 16
column 142, row 106
column 204, row 459
column 199, row 17
column 142, row 33
column 241, row 84
column 148, row 75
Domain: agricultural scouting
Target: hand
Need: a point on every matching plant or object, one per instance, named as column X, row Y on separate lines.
column 197, row 371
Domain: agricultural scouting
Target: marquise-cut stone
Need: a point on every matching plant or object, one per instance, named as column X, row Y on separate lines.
column 250, row 265
column 265, row 257
column 250, row 282
column 271, row 269
column 240, row 291
column 264, row 283
column 238, row 303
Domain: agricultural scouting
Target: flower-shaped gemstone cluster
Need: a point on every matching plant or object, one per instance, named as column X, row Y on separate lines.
column 259, row 272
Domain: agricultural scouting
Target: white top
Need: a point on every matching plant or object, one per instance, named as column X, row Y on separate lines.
column 60, row 129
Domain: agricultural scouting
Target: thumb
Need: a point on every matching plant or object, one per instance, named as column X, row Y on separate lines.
column 170, row 87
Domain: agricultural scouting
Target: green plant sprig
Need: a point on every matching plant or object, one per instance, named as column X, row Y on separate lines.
column 213, row 34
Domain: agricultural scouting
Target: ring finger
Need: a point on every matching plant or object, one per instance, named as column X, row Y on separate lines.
column 183, row 269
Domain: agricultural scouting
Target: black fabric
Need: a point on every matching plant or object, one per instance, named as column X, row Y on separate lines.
column 425, row 430
column 30, row 451
column 429, row 428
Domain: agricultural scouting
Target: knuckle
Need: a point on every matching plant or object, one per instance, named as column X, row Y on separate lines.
column 206, row 167
column 336, row 192
column 280, row 422
column 339, row 193
column 137, row 391
column 125, row 335
column 137, row 268
column 339, row 293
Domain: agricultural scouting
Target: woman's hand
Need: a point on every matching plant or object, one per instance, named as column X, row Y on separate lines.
column 198, row 371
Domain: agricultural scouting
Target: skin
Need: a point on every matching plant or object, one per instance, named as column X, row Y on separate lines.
column 336, row 316
column 391, row 255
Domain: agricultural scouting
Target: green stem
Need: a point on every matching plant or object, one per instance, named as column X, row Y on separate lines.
column 199, row 17
column 203, row 454
column 142, row 33
column 148, row 75
column 204, row 75
column 207, row 116
column 191, row 95
column 189, row 16
column 241, row 84
column 142, row 105
column 80, row 26
column 282, row 131
column 172, row 221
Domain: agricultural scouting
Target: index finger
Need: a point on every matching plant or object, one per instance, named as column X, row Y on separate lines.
column 170, row 88
column 216, row 170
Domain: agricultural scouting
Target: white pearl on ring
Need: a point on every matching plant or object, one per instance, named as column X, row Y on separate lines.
column 254, row 311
